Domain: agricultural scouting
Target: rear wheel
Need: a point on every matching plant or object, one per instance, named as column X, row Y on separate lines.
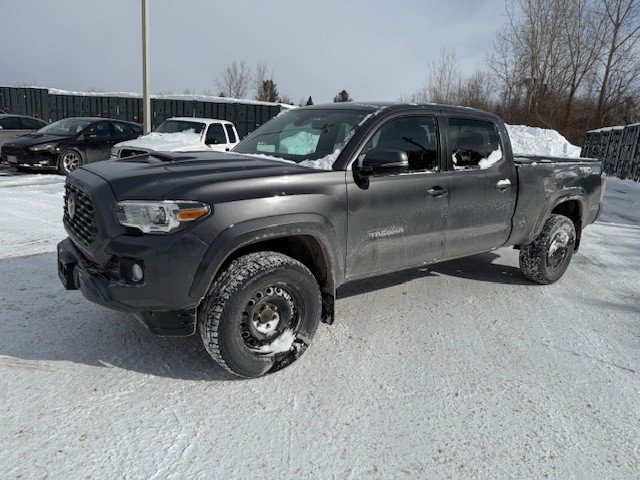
column 69, row 161
column 546, row 258
column 260, row 314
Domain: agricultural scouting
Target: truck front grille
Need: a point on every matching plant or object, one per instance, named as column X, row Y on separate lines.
column 79, row 216
column 130, row 152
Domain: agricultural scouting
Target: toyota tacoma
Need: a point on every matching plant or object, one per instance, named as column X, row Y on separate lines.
column 248, row 247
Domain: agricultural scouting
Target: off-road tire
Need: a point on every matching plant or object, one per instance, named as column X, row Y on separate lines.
column 221, row 312
column 534, row 257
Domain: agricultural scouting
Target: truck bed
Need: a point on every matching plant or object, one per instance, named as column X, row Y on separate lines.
column 543, row 182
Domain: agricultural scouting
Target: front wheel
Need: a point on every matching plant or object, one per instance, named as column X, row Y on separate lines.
column 260, row 314
column 69, row 161
column 546, row 258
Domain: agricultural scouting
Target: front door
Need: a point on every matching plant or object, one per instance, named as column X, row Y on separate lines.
column 483, row 188
column 98, row 140
column 216, row 139
column 398, row 221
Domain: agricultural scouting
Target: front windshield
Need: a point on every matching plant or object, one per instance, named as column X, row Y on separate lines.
column 302, row 134
column 175, row 126
column 67, row 127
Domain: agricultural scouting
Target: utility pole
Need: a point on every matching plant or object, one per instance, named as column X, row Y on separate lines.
column 146, row 68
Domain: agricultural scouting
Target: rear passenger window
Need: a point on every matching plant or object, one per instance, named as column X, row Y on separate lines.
column 123, row 129
column 230, row 133
column 9, row 123
column 475, row 144
column 417, row 136
column 31, row 124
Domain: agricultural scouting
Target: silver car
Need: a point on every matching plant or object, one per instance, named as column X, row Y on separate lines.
column 12, row 126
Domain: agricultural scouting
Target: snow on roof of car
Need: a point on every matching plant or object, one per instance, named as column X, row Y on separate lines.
column 207, row 121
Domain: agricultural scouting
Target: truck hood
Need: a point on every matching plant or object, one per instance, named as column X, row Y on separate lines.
column 154, row 176
column 165, row 142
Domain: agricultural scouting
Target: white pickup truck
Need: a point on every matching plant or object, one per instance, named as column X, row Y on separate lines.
column 182, row 134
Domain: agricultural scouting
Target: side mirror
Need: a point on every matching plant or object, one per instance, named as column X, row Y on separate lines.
column 383, row 161
column 90, row 136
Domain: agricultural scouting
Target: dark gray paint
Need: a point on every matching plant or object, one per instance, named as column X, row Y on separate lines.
column 364, row 226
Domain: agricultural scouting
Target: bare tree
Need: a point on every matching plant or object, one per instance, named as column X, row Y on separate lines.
column 260, row 78
column 620, row 66
column 581, row 31
column 234, row 80
column 444, row 79
column 476, row 91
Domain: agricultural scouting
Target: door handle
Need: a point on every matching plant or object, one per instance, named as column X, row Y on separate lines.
column 436, row 192
column 503, row 184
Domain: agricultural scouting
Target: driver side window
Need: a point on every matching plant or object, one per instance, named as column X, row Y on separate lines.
column 417, row 136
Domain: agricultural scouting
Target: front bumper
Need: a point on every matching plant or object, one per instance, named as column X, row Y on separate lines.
column 152, row 302
column 29, row 159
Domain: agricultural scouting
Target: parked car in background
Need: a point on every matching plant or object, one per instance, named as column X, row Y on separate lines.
column 12, row 126
column 67, row 144
column 182, row 134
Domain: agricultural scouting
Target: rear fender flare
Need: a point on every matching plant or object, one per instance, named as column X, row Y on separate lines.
column 560, row 197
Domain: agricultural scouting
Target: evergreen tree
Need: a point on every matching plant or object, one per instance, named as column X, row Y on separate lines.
column 310, row 101
column 268, row 91
column 342, row 96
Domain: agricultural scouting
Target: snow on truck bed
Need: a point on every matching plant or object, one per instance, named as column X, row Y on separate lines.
column 540, row 141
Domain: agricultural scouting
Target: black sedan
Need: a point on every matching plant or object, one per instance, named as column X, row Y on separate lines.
column 67, row 144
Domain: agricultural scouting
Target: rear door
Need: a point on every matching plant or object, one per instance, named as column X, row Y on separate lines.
column 216, row 138
column 482, row 187
column 397, row 221
column 124, row 131
column 232, row 135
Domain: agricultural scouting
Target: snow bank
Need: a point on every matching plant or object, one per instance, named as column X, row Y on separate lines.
column 540, row 141
column 160, row 142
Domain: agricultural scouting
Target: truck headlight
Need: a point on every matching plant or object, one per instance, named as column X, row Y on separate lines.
column 50, row 147
column 115, row 152
column 159, row 217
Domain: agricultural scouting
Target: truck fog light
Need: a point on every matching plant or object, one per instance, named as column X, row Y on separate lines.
column 136, row 272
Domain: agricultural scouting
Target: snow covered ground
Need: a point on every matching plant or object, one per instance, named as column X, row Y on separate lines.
column 460, row 370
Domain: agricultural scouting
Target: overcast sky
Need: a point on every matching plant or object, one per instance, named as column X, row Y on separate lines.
column 376, row 50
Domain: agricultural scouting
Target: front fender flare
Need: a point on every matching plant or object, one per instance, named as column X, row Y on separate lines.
column 253, row 231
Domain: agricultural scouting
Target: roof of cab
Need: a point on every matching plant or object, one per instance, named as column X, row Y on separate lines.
column 395, row 106
column 197, row 119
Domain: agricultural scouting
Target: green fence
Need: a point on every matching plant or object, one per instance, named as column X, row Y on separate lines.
column 52, row 105
column 617, row 147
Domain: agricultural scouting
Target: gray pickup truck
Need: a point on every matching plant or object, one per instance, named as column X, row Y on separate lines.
column 249, row 247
